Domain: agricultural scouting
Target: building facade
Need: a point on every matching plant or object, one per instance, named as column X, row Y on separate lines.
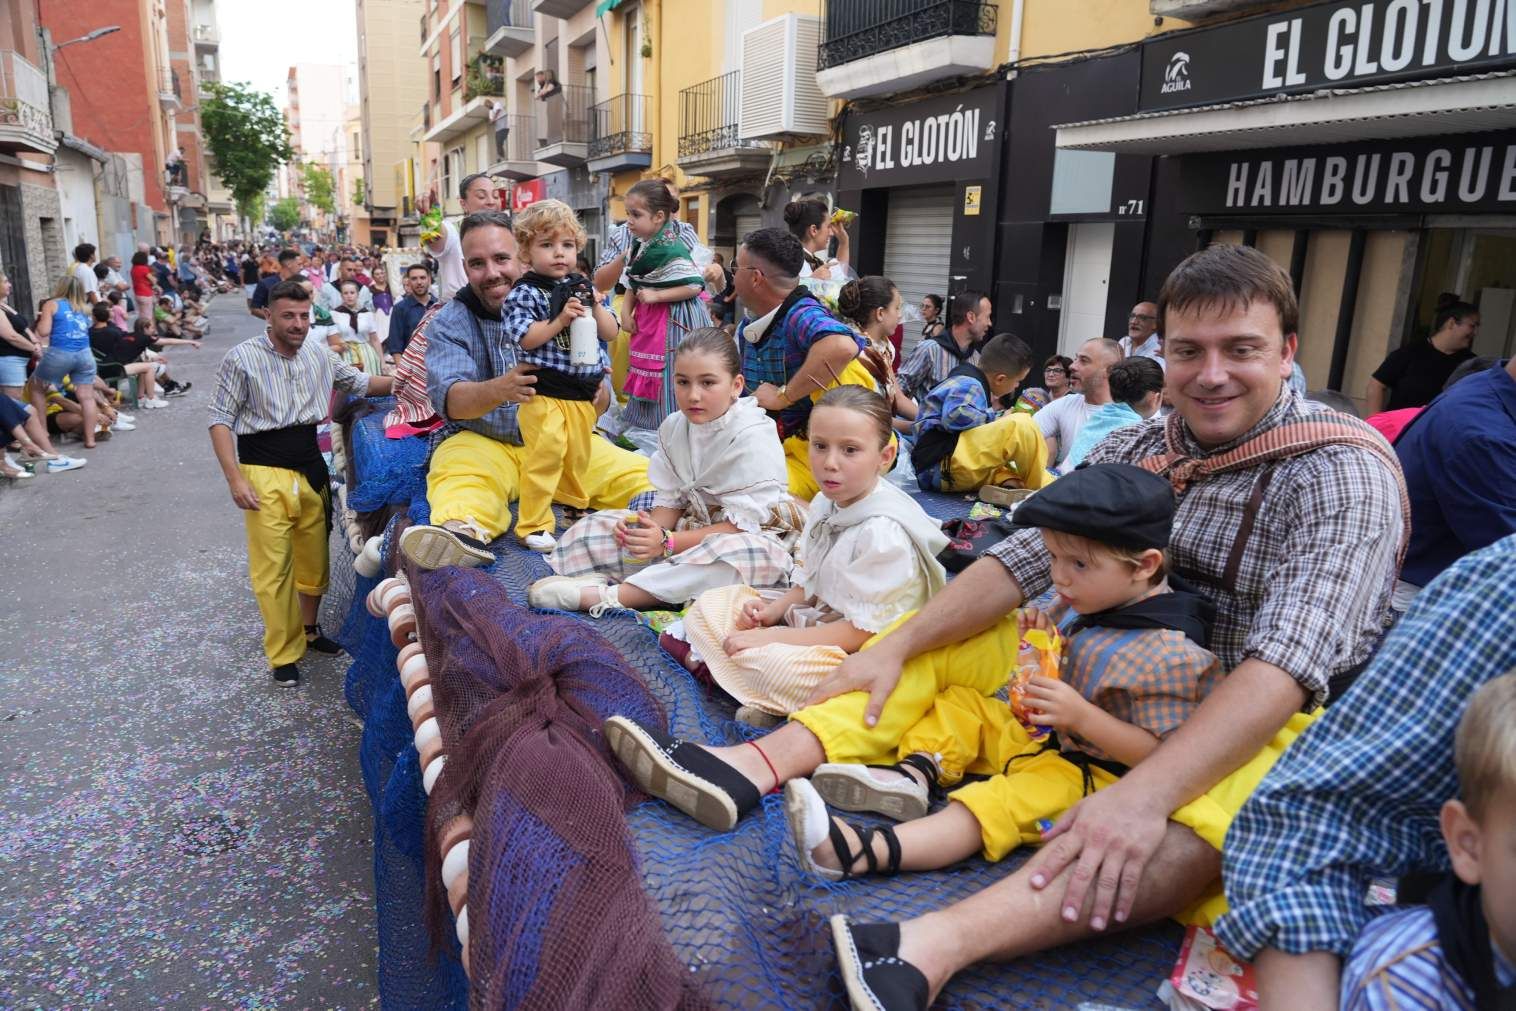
column 33, row 253
column 462, row 84
column 390, row 77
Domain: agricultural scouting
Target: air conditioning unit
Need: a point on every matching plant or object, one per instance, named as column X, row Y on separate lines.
column 780, row 96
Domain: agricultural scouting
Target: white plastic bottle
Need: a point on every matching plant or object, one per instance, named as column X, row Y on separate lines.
column 584, row 335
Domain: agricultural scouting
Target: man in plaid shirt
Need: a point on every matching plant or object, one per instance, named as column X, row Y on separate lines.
column 1297, row 549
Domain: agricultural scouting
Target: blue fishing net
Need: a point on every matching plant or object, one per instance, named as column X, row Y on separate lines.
column 738, row 911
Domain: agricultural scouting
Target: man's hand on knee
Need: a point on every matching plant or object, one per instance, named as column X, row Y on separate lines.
column 1108, row 838
column 875, row 670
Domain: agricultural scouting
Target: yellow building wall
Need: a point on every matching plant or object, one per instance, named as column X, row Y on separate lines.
column 1050, row 27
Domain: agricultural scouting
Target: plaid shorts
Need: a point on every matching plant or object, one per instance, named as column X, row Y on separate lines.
column 590, row 546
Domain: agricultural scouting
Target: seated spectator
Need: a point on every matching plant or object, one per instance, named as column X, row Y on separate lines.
column 1460, row 943
column 1412, row 375
column 969, row 319
column 965, row 439
column 1135, row 665
column 1358, row 798
column 1459, row 458
column 1136, row 388
column 119, row 318
column 28, row 436
column 1062, row 419
column 111, row 344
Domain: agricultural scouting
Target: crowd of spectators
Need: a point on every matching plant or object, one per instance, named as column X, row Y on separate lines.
column 72, row 364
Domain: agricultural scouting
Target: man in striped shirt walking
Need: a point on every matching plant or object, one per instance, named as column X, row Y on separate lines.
column 271, row 392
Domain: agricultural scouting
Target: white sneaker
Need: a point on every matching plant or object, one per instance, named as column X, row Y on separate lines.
column 541, row 541
column 64, row 463
column 123, row 426
column 130, row 419
column 562, row 593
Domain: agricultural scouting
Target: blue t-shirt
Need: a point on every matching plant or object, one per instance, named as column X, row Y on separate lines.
column 70, row 328
column 1459, row 458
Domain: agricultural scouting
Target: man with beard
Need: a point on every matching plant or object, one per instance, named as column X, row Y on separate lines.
column 271, row 392
column 476, row 382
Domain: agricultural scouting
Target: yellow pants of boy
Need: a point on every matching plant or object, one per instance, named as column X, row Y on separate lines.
column 985, row 737
column 474, row 478
column 1009, row 447
column 286, row 555
column 557, row 434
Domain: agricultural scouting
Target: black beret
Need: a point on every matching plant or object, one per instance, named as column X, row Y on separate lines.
column 1113, row 503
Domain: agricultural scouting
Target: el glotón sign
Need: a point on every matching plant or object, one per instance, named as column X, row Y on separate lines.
column 934, row 140
column 1346, row 43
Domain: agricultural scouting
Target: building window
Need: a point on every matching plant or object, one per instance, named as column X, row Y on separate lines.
column 455, row 52
column 436, row 77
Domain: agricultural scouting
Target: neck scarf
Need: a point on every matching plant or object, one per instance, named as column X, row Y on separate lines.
column 826, row 523
column 662, row 262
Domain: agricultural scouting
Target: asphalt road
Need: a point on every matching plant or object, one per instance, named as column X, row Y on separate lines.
column 175, row 831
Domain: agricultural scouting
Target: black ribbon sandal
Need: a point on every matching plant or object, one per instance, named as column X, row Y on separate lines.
column 318, row 642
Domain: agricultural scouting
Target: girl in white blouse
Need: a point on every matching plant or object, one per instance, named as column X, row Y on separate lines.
column 358, row 331
column 722, row 512
column 867, row 557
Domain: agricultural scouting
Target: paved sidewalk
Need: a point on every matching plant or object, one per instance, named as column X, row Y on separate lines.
column 175, row 831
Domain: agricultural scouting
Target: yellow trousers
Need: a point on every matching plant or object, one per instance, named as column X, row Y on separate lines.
column 286, row 555
column 797, row 455
column 474, row 478
column 557, row 434
column 1011, row 446
column 949, row 690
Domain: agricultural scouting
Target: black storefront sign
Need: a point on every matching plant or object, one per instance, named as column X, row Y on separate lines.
column 1345, row 43
column 1464, row 174
column 935, row 140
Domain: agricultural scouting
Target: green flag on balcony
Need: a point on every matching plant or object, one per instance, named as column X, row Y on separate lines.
column 606, row 5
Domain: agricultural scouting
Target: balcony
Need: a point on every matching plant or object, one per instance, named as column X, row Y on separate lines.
column 510, row 26
column 873, row 48
column 207, row 36
column 170, row 93
column 1191, row 10
column 26, row 119
column 563, row 127
column 620, row 137
column 515, row 143
column 708, row 141
column 559, row 8
column 463, row 120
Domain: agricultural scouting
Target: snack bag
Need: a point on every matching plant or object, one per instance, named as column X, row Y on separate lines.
column 842, row 217
column 431, row 224
column 1041, row 653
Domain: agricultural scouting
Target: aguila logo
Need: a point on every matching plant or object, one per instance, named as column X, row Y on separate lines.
column 1177, row 75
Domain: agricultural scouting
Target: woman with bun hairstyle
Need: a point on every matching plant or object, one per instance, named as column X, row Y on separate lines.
column 1411, row 376
column 932, row 322
column 809, row 220
column 872, row 305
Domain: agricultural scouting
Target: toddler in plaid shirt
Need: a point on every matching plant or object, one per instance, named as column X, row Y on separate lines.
column 1135, row 665
column 558, row 420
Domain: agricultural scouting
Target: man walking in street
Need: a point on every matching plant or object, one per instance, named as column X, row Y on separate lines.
column 271, row 392
column 409, row 310
column 289, row 268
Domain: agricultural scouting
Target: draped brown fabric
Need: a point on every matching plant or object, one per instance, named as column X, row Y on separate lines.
column 558, row 917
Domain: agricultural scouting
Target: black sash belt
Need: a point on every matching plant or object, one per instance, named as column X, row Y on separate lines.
column 293, row 448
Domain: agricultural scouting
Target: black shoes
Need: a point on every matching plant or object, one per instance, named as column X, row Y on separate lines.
column 320, row 643
column 287, row 676
column 877, row 979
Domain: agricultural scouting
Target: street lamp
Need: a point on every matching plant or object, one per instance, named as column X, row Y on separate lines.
column 89, row 36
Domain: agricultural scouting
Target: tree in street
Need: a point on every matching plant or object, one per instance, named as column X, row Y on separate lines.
column 285, row 214
column 320, row 190
column 248, row 140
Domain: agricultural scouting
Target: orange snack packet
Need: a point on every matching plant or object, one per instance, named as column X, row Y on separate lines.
column 1040, row 654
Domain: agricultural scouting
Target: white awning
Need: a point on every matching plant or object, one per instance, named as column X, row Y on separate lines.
column 1408, row 109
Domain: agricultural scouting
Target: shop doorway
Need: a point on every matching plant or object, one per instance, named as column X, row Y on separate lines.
column 1086, row 284
column 918, row 245
column 1479, row 266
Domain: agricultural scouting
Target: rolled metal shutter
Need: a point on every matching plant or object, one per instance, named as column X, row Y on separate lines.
column 918, row 245
column 747, row 221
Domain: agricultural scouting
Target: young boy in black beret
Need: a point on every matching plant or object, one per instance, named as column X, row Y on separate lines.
column 1135, row 666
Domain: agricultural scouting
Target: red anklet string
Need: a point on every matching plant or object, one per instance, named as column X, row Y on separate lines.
column 754, row 746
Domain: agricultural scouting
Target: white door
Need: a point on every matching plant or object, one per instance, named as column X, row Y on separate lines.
column 1086, row 285
column 918, row 245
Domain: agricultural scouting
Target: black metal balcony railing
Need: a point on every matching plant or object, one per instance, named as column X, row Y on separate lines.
column 856, row 29
column 708, row 116
column 619, row 125
column 564, row 117
column 486, row 76
column 515, row 137
column 507, row 14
